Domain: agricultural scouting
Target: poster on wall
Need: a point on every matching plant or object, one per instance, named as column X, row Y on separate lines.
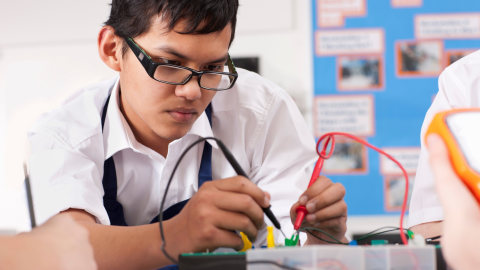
column 360, row 72
column 349, row 157
column 332, row 13
column 375, row 68
column 344, row 113
column 419, row 58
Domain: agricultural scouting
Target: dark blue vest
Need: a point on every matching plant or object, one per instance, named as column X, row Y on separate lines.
column 114, row 207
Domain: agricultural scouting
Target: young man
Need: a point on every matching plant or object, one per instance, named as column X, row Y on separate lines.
column 107, row 154
column 59, row 244
column 459, row 87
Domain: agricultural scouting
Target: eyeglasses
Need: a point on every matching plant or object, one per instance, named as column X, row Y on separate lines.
column 179, row 75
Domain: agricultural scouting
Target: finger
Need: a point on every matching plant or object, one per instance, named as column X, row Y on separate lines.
column 452, row 192
column 240, row 203
column 241, row 184
column 338, row 209
column 293, row 211
column 228, row 201
column 440, row 161
column 334, row 193
column 222, row 238
column 231, row 221
column 316, row 188
column 337, row 223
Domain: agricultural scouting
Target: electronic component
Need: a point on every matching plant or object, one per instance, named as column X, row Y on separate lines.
column 460, row 131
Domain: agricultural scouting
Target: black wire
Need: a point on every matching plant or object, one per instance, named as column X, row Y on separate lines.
column 375, row 232
column 433, row 238
column 310, row 229
column 362, row 237
column 279, row 265
column 324, row 240
column 381, row 228
column 238, row 169
column 211, row 265
column 160, row 216
column 28, row 190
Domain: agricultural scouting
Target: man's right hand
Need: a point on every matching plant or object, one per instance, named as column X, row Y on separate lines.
column 211, row 217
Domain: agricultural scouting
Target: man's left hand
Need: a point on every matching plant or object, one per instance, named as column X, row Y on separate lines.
column 327, row 211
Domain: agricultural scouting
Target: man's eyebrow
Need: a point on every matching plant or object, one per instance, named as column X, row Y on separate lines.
column 172, row 51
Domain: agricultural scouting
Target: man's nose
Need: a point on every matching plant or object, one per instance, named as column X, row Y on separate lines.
column 190, row 91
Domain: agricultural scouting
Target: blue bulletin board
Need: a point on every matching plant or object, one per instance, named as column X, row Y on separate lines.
column 376, row 64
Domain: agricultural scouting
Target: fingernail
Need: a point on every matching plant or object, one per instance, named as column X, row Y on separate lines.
column 267, row 200
column 310, row 217
column 303, row 200
column 310, row 207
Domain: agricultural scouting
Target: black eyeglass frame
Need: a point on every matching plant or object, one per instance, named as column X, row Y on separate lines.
column 150, row 66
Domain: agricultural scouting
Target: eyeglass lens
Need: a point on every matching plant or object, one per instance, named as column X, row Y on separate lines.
column 179, row 76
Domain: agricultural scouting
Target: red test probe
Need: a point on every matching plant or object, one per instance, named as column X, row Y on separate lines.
column 302, row 210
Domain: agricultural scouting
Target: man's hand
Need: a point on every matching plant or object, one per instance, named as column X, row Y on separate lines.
column 213, row 215
column 326, row 210
column 461, row 210
column 60, row 243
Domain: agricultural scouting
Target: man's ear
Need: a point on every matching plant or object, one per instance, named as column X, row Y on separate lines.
column 110, row 47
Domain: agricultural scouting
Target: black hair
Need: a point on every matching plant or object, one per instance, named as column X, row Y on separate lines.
column 131, row 18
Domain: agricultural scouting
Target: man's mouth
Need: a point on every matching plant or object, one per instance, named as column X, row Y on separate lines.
column 182, row 115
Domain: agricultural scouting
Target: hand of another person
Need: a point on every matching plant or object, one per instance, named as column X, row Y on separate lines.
column 326, row 210
column 60, row 243
column 219, row 208
column 461, row 211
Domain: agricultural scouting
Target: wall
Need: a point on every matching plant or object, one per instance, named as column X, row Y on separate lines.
column 282, row 40
column 47, row 50
column 46, row 54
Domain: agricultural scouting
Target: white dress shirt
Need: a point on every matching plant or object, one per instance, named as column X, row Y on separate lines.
column 459, row 87
column 258, row 122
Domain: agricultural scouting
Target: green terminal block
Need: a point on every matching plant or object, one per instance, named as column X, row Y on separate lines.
column 410, row 234
column 292, row 241
column 379, row 242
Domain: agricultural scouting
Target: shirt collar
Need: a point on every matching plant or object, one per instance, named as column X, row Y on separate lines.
column 117, row 134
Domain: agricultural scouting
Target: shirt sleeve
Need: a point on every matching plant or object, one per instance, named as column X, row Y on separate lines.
column 65, row 176
column 424, row 203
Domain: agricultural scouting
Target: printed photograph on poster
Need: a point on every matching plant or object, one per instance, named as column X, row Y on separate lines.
column 350, row 42
column 453, row 55
column 447, row 26
column 406, row 3
column 332, row 13
column 349, row 157
column 345, row 113
column 360, row 72
column 395, row 191
column 419, row 58
column 406, row 156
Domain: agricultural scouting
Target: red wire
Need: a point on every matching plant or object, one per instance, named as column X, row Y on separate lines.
column 331, row 135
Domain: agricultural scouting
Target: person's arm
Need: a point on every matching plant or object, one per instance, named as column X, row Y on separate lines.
column 208, row 221
column 425, row 212
column 117, row 247
column 428, row 229
column 462, row 212
column 60, row 243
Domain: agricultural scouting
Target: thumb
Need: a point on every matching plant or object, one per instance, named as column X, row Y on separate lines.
column 450, row 188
